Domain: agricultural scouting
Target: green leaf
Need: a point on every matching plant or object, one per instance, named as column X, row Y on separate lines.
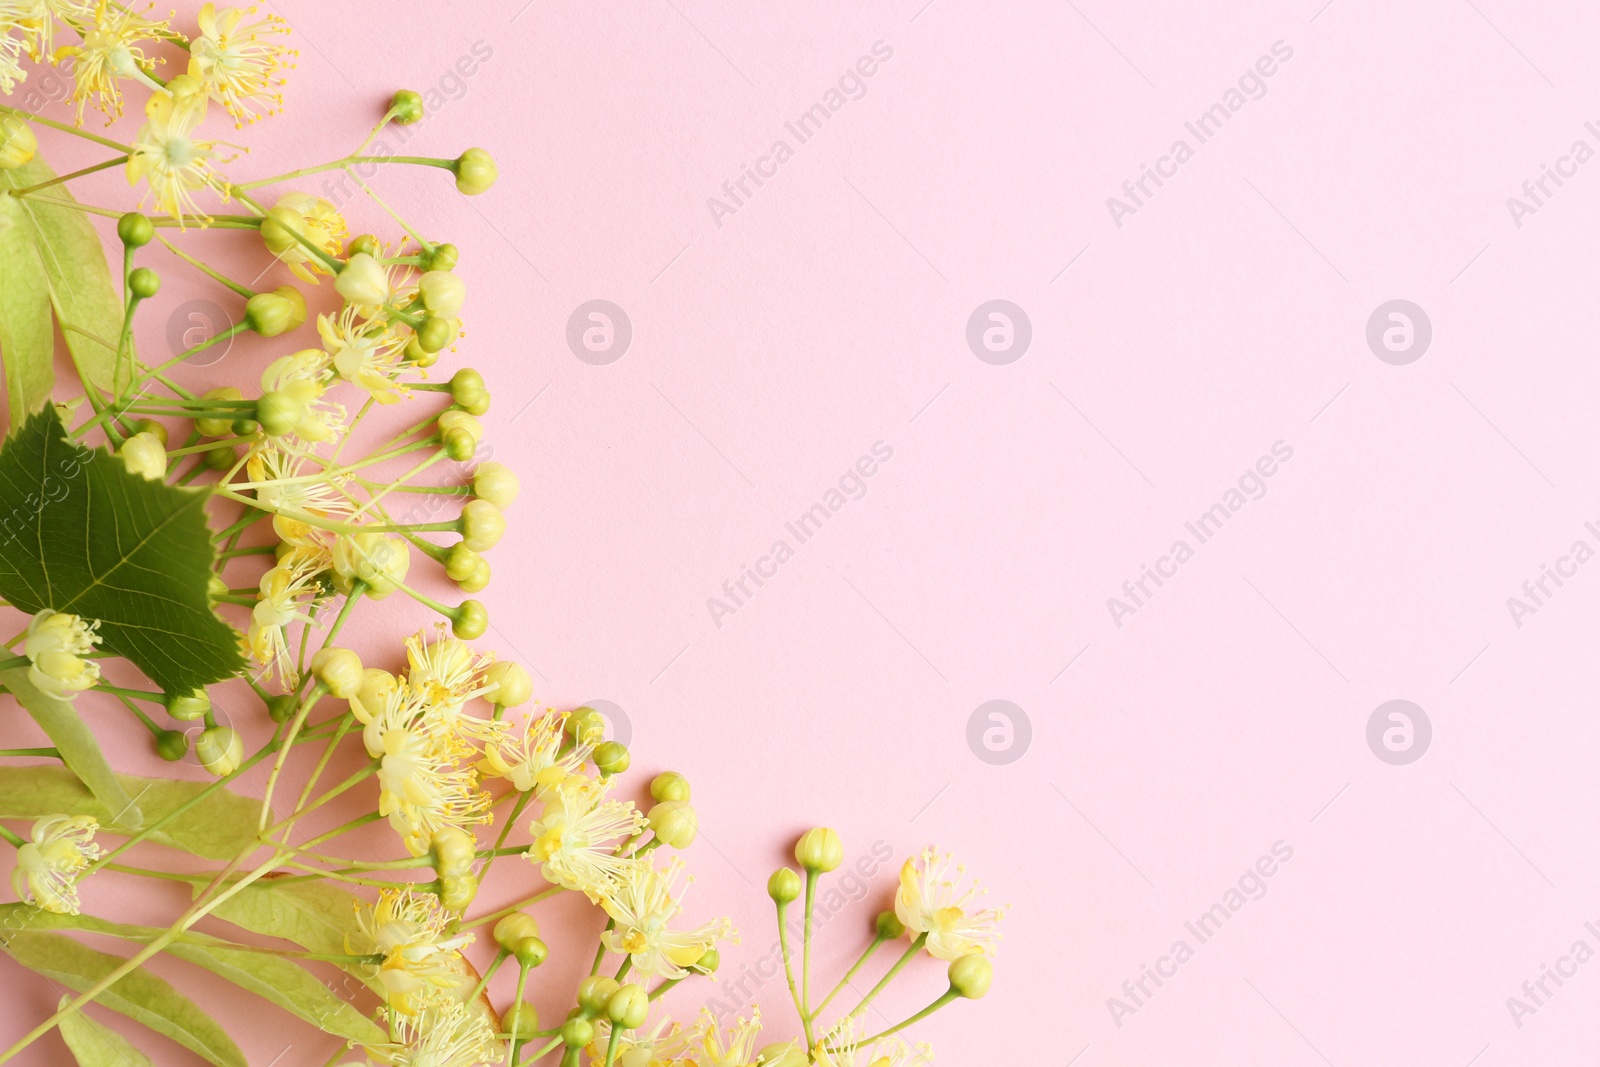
column 81, row 533
column 274, row 979
column 76, row 274
column 93, row 1045
column 314, row 915
column 219, row 827
column 27, row 338
column 78, row 748
column 139, row 995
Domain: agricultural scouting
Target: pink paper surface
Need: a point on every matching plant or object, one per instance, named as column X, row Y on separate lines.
column 1166, row 742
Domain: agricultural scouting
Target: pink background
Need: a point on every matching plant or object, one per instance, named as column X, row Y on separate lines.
column 1226, row 314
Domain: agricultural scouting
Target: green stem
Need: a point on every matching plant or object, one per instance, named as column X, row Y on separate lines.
column 947, row 997
column 900, row 965
column 788, row 972
column 68, row 177
column 877, row 942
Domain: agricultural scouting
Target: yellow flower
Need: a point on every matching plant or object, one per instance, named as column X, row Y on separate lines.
column 288, row 592
column 663, row 1045
column 298, row 382
column 420, row 965
column 365, row 353
column 111, row 51
column 736, row 1048
column 36, row 20
column 447, row 1034
column 301, row 215
column 11, row 49
column 842, row 1048
column 57, row 644
column 450, row 673
column 575, row 839
column 932, row 900
column 276, row 476
column 238, row 62
column 422, row 785
column 48, row 866
column 168, row 155
column 641, row 907
column 535, row 761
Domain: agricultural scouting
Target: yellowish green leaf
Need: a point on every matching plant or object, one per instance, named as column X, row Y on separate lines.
column 95, row 1045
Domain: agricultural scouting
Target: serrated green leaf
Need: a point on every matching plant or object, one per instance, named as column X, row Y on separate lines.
column 76, row 275
column 218, row 828
column 274, row 979
column 94, row 1045
column 81, row 533
column 78, row 747
column 27, row 338
column 139, row 995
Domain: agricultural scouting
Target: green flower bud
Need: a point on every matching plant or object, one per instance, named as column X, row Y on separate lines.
column 475, row 171
column 669, row 785
column 366, row 244
column 628, row 1007
column 576, row 1033
column 970, row 975
column 496, row 483
column 220, row 750
column 143, row 455
column 144, row 283
column 17, row 142
column 471, row 620
column 819, row 850
column 482, row 525
column 152, row 427
column 454, row 850
column 510, row 682
column 456, row 892
column 245, row 427
column 708, row 962
column 217, row 427
column 612, row 758
column 187, row 707
column 468, row 390
column 593, row 992
column 530, row 952
column 279, row 413
column 221, row 458
column 363, row 281
column 436, row 333
column 380, row 560
column 134, row 229
column 417, row 356
column 406, row 107
column 444, row 257
column 339, row 670
column 784, row 886
column 459, row 444
column 521, row 1020
column 513, row 929
column 279, row 708
column 277, row 312
column 479, row 580
column 675, row 823
column 442, row 293
column 171, row 745
column 460, row 562
column 888, row 926
column 585, row 726
column 787, row 1054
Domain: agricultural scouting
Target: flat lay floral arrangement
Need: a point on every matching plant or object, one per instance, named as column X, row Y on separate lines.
column 161, row 547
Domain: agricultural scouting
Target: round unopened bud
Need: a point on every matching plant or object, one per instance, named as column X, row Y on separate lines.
column 470, row 621
column 363, row 282
column 406, row 107
column 509, row 684
column 171, row 745
column 460, row 562
column 222, row 457
column 521, row 1020
column 669, row 785
column 585, row 726
column 220, row 750
column 152, row 427
column 787, row 1054
column 628, row 1007
column 530, row 952
column 187, row 707
column 468, row 390
column 454, row 850
column 17, row 142
column 133, row 229
column 888, row 926
column 455, row 420
column 514, row 928
column 339, row 670
column 417, row 356
column 380, row 560
column 144, row 283
column 970, row 975
column 458, row 444
column 612, row 758
column 594, row 991
column 457, row 891
column 217, row 426
column 819, row 850
column 144, row 456
column 708, row 962
column 377, row 685
column 496, row 483
column 475, row 171
column 479, row 580
column 784, row 886
column 277, row 312
column 436, row 333
column 443, row 257
column 576, row 1033
column 482, row 525
column 364, row 245
column 442, row 293
column 675, row 823
column 279, row 413
column 279, row 708
column 245, row 427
